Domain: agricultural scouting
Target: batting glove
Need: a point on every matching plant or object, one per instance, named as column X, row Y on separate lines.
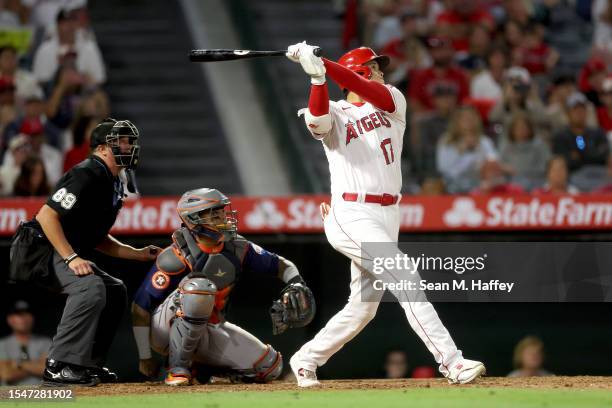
column 293, row 51
column 312, row 65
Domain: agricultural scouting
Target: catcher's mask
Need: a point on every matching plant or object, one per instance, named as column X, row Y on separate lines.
column 123, row 141
column 208, row 213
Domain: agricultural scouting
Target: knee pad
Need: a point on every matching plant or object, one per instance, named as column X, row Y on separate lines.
column 269, row 366
column 196, row 300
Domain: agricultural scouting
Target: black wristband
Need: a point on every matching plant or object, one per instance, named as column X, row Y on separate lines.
column 70, row 258
column 297, row 279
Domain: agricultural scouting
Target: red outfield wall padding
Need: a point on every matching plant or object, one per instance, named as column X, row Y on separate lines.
column 300, row 214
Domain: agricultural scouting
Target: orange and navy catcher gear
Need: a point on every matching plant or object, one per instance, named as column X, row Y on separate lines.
column 223, row 268
column 208, row 213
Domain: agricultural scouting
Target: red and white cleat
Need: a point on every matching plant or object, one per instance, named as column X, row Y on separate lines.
column 465, row 371
column 305, row 378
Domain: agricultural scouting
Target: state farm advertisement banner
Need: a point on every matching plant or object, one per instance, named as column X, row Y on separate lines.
column 300, row 214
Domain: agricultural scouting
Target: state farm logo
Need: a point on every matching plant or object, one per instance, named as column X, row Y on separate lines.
column 463, row 212
column 529, row 212
column 299, row 215
column 264, row 214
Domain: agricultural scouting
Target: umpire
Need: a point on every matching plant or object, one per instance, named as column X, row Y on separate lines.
column 76, row 220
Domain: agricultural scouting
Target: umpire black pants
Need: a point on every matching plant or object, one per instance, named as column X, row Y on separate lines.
column 91, row 315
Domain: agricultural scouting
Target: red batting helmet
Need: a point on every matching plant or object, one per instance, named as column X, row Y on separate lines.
column 355, row 60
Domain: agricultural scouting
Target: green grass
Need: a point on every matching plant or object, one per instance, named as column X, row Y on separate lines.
column 420, row 398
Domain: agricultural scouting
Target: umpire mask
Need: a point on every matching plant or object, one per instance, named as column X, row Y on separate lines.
column 123, row 141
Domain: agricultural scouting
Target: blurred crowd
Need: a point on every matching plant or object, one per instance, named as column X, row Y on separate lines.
column 51, row 92
column 505, row 96
column 528, row 360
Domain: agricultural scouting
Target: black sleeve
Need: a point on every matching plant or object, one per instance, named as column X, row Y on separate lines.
column 563, row 145
column 71, row 188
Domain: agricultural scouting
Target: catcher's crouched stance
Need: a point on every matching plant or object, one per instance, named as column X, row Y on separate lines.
column 178, row 309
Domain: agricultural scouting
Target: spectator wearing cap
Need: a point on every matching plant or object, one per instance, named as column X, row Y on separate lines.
column 562, row 87
column 604, row 112
column 487, row 84
column 524, row 154
column 429, row 127
column 34, row 110
column 463, row 150
column 22, row 354
column 591, row 77
column 459, row 16
column 19, row 150
column 32, row 180
column 520, row 95
column 23, row 80
column 578, row 143
column 67, row 45
column 50, row 156
column 406, row 53
column 423, row 82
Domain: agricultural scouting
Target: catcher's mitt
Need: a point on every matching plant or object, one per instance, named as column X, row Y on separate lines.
column 295, row 308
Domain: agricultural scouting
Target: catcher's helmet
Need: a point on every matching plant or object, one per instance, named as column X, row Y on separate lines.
column 110, row 131
column 197, row 211
column 355, row 60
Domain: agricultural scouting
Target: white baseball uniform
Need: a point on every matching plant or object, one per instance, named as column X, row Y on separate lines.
column 364, row 148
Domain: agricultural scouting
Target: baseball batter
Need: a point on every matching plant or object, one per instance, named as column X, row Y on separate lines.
column 362, row 137
column 179, row 308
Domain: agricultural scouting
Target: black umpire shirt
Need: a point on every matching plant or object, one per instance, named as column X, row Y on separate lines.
column 87, row 198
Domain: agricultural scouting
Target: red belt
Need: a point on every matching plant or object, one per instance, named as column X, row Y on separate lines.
column 382, row 199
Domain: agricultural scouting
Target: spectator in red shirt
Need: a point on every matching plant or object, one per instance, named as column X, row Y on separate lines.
column 604, row 112
column 423, row 83
column 591, row 79
column 81, row 133
column 493, row 180
column 455, row 22
column 557, row 178
column 536, row 56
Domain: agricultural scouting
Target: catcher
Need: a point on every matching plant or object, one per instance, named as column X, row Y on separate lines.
column 178, row 310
